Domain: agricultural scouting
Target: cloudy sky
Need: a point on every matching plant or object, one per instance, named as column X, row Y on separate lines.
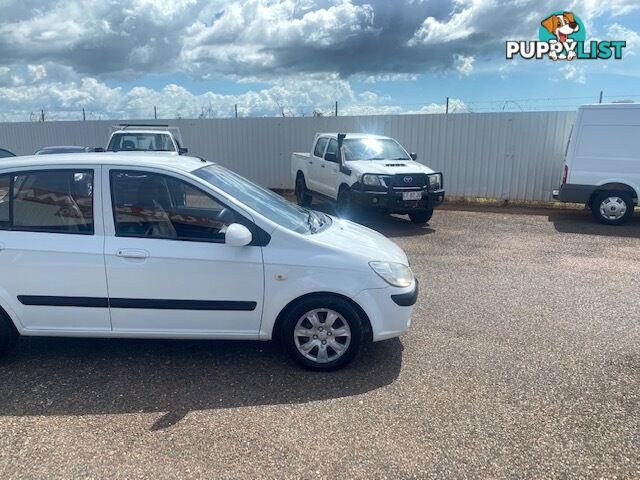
column 189, row 57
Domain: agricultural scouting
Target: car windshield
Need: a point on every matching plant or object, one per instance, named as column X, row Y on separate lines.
column 137, row 141
column 264, row 201
column 373, row 149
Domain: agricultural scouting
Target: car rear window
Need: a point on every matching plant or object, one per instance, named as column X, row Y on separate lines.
column 54, row 201
column 4, row 201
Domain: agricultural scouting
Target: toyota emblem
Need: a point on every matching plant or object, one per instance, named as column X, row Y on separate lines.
column 408, row 179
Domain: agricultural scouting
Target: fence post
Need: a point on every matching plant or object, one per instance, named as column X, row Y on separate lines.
column 600, row 97
column 84, row 117
column 155, row 112
column 42, row 115
column 336, row 108
column 235, row 107
column 446, row 109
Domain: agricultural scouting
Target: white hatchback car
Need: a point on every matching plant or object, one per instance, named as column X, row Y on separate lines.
column 142, row 246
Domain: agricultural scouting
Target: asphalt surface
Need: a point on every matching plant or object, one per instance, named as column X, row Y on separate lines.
column 523, row 362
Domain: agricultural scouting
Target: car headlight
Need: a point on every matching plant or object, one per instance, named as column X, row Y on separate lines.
column 374, row 180
column 435, row 181
column 395, row 274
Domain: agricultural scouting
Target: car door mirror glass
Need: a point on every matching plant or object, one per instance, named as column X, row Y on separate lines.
column 237, row 235
column 414, row 156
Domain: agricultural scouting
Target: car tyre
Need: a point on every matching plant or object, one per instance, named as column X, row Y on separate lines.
column 322, row 333
column 303, row 198
column 8, row 335
column 344, row 204
column 421, row 216
column 612, row 208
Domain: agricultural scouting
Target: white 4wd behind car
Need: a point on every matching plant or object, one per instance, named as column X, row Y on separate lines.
column 370, row 171
column 129, row 137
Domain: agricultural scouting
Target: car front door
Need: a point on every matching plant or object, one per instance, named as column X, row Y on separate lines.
column 331, row 170
column 168, row 268
column 51, row 249
column 316, row 160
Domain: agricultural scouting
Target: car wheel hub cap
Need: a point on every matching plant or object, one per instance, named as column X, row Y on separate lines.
column 322, row 335
column 613, row 208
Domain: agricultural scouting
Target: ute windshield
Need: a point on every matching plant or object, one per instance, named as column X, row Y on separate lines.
column 264, row 201
column 373, row 149
column 141, row 142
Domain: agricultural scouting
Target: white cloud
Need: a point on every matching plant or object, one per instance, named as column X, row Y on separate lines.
column 464, row 65
column 574, row 73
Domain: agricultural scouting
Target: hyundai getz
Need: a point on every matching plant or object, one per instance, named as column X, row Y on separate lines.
column 140, row 246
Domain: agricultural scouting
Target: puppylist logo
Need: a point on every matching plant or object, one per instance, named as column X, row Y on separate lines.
column 562, row 36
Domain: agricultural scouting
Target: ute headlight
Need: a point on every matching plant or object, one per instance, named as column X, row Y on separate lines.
column 395, row 274
column 435, row 180
column 374, row 180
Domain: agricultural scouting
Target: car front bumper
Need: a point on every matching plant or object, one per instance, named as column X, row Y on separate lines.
column 389, row 309
column 392, row 201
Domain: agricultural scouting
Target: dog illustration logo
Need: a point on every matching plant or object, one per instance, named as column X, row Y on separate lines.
column 564, row 29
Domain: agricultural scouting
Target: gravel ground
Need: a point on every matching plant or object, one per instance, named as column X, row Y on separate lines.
column 523, row 362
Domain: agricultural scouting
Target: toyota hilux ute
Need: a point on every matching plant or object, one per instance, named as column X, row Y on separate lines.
column 371, row 171
column 129, row 137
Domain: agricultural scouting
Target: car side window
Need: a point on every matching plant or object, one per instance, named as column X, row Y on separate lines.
column 320, row 146
column 4, row 202
column 152, row 205
column 55, row 201
column 332, row 148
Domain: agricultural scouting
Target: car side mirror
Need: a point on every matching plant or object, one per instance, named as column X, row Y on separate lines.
column 331, row 157
column 182, row 150
column 237, row 235
column 414, row 156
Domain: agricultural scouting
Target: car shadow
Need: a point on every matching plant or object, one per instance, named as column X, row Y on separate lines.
column 388, row 225
column 582, row 222
column 64, row 376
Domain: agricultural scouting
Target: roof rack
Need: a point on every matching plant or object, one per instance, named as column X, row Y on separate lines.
column 142, row 125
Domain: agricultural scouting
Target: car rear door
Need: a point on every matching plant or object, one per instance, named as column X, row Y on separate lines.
column 169, row 271
column 51, row 249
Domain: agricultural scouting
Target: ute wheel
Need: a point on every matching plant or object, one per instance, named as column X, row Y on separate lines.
column 302, row 194
column 421, row 216
column 612, row 208
column 8, row 335
column 322, row 333
column 344, row 205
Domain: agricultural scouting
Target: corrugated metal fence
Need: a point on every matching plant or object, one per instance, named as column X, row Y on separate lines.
column 515, row 156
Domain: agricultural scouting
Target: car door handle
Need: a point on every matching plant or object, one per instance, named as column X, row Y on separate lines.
column 129, row 253
column 310, row 162
column 322, row 166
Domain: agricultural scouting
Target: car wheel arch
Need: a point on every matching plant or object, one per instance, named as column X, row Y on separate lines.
column 277, row 325
column 614, row 187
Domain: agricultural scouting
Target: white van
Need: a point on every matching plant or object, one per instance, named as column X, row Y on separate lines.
column 602, row 164
column 106, row 245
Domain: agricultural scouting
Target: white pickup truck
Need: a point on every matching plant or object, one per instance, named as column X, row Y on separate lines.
column 369, row 171
column 130, row 137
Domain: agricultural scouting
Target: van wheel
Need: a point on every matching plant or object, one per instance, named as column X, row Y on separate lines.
column 302, row 194
column 8, row 335
column 344, row 205
column 421, row 216
column 322, row 333
column 612, row 208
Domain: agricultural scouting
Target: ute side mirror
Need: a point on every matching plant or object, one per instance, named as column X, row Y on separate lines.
column 331, row 157
column 237, row 235
column 182, row 150
column 414, row 156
